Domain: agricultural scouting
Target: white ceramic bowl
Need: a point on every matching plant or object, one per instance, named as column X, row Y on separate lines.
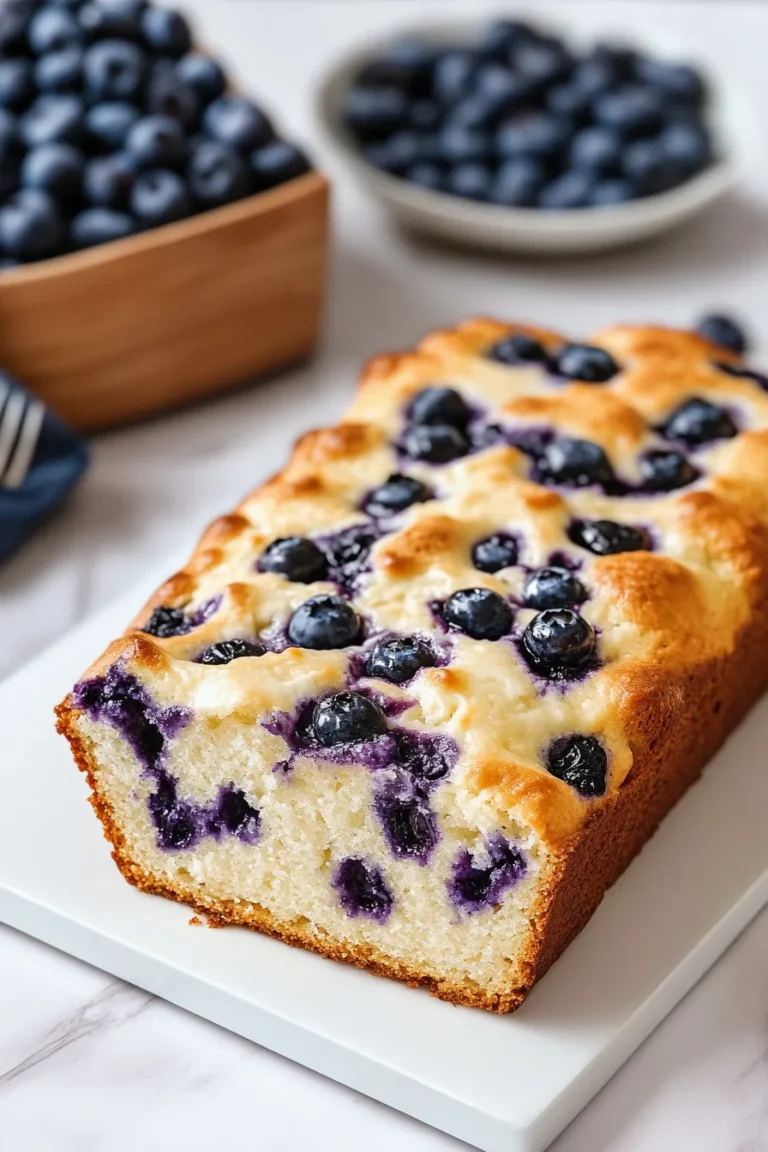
column 533, row 230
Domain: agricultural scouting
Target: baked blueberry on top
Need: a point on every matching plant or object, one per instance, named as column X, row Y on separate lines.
column 586, row 363
column 324, row 622
column 724, row 331
column 698, row 422
column 439, row 405
column 607, row 537
column 399, row 658
column 576, row 463
column 295, row 557
column 553, row 587
column 479, row 612
column 396, row 494
column 228, row 650
column 558, row 639
column 165, row 622
column 434, row 443
column 495, row 552
column 518, row 349
column 580, row 761
column 347, row 718
column 663, row 471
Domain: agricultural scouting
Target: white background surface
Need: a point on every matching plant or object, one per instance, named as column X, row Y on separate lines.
column 89, row 1064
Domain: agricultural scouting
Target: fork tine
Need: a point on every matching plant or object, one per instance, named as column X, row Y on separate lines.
column 26, row 444
column 10, row 422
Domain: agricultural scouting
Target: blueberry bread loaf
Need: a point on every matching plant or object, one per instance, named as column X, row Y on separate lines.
column 423, row 696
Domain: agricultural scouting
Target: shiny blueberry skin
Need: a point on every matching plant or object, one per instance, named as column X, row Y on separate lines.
column 113, row 70
column 60, row 71
column 166, row 32
column 439, row 405
column 664, row 471
column 31, row 227
column 396, row 494
column 632, row 111
column 607, row 537
column 228, row 650
column 434, row 443
column 427, row 175
column 688, row 146
column 54, row 119
column 571, row 190
column 52, row 30
column 165, row 622
column 453, row 74
column 553, row 587
column 518, row 183
column 397, row 153
column 347, row 718
column 167, row 95
column 399, row 659
column 56, row 169
column 373, row 113
column 109, row 123
column 698, row 422
column 108, row 181
column 596, row 150
column 607, row 192
column 205, row 76
column 405, row 65
column 276, row 163
column 14, row 21
column 362, row 890
column 156, row 142
column 534, row 134
column 558, row 638
column 479, row 612
column 237, row 122
column 586, row 363
column 216, row 175
column 471, row 181
column 495, row 552
column 580, row 761
column 650, row 169
column 324, row 622
column 518, row 349
column 296, row 558
column 17, row 85
column 159, row 197
column 102, row 22
column 677, row 82
column 724, row 331
column 576, row 463
column 99, row 226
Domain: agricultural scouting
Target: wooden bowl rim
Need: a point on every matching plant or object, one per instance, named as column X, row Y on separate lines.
column 259, row 203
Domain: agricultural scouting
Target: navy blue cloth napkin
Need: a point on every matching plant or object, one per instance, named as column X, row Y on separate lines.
column 40, row 460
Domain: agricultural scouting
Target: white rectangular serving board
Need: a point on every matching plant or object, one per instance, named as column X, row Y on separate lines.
column 503, row 1084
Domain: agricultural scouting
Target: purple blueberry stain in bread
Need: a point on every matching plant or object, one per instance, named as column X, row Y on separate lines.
column 479, row 880
column 363, row 890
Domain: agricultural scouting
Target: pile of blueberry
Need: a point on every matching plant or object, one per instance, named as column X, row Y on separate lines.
column 520, row 120
column 110, row 123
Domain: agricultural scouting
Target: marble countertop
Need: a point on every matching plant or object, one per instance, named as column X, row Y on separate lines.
column 88, row 1064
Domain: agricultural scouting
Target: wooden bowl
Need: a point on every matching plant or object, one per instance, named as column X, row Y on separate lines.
column 141, row 325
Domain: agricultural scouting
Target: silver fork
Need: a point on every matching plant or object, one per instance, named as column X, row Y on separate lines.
column 21, row 419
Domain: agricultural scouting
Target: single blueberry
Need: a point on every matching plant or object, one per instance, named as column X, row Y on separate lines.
column 60, row 71
column 168, row 95
column 557, row 639
column 399, row 658
column 453, row 74
column 479, row 881
column 276, row 163
column 650, row 168
column 410, row 827
column 324, row 622
column 607, row 537
column 203, row 75
column 518, row 183
column 108, row 181
column 165, row 622
column 373, row 113
column 216, row 174
column 479, row 612
column 347, row 718
column 597, row 150
column 676, row 82
column 54, row 119
column 605, row 193
column 687, row 146
column 102, row 21
column 239, row 817
column 457, row 145
column 295, row 557
column 423, row 756
column 632, row 111
column 396, row 494
column 56, row 169
column 166, row 32
column 159, row 197
column 228, row 650
column 553, row 587
column 470, row 181
column 499, row 37
column 536, row 134
column 576, row 463
column 52, row 30
column 618, row 57
column 569, row 100
column 237, row 122
column 699, row 422
column 518, row 349
column 427, row 175
column 587, row 363
column 31, row 227
column 405, row 65
column 157, row 142
column 99, row 226
column 395, row 154
column 546, row 62
column 570, row 190
column 438, row 404
column 724, row 331
column 362, row 890
column 435, row 443
column 113, row 70
column 14, row 22
column 579, row 761
column 17, row 84
column 495, row 552
column 663, row 471
column 109, row 123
